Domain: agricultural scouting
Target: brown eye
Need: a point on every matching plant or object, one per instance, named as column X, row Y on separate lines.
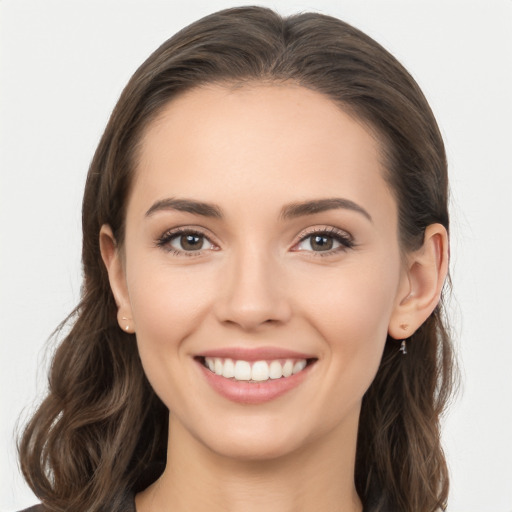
column 321, row 243
column 328, row 242
column 189, row 242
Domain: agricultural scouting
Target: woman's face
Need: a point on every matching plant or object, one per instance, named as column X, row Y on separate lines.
column 260, row 237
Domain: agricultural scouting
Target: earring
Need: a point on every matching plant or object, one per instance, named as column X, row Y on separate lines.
column 403, row 345
column 127, row 327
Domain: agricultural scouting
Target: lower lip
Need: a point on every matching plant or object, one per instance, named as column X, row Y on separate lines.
column 253, row 392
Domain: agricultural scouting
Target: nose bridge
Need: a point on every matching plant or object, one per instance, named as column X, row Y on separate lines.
column 253, row 293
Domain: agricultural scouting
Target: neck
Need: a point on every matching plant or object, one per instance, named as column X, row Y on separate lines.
column 317, row 478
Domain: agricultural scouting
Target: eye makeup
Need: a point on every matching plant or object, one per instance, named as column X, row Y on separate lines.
column 185, row 241
column 322, row 241
column 319, row 241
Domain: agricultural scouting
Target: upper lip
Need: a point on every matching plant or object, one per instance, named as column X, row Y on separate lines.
column 255, row 353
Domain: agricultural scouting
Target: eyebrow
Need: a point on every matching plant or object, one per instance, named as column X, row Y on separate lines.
column 321, row 205
column 186, row 205
column 289, row 211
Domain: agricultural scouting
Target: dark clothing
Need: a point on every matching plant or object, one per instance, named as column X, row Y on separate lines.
column 129, row 506
column 155, row 470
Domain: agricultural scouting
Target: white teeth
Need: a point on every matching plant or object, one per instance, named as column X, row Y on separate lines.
column 218, row 367
column 299, row 366
column 260, row 371
column 242, row 370
column 275, row 370
column 287, row 368
column 229, row 369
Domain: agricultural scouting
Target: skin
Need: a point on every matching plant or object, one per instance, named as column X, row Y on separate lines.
column 257, row 281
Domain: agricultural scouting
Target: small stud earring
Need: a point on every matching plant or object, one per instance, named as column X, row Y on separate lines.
column 127, row 328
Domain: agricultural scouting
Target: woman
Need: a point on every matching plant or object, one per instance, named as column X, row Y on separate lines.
column 264, row 250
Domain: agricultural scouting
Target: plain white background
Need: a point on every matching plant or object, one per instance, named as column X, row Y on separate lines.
column 63, row 64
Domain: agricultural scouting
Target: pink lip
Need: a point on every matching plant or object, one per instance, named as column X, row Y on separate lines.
column 252, row 393
column 255, row 354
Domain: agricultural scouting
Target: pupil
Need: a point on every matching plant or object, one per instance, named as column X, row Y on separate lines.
column 322, row 243
column 190, row 242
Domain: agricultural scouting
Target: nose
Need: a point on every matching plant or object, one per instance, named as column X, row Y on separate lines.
column 253, row 291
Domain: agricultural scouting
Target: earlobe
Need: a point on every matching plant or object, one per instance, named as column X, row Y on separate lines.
column 425, row 276
column 116, row 275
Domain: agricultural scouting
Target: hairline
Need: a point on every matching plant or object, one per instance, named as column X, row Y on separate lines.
column 383, row 144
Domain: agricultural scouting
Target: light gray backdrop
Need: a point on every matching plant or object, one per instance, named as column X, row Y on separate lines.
column 63, row 64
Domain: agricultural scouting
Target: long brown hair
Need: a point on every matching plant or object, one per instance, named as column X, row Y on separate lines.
column 101, row 425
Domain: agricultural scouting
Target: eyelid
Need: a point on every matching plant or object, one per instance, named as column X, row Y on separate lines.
column 344, row 238
column 163, row 241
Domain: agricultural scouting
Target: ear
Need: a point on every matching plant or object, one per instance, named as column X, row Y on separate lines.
column 112, row 259
column 420, row 289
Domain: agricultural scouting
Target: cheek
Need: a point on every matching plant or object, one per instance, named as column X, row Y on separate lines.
column 165, row 300
column 351, row 312
column 167, row 306
column 353, row 301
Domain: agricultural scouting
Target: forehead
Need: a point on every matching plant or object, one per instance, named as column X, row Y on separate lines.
column 273, row 140
column 220, row 111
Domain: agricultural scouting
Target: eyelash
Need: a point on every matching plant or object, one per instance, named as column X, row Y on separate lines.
column 344, row 239
column 165, row 240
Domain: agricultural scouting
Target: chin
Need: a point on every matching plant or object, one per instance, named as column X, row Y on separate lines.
column 262, row 450
column 263, row 440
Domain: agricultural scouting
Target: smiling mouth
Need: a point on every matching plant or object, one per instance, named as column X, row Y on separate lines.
column 255, row 371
